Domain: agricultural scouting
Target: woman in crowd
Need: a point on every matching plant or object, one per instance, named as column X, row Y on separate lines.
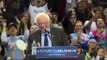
column 78, row 37
column 24, row 21
column 91, row 53
column 101, row 53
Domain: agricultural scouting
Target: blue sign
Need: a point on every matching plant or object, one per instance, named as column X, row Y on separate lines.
column 57, row 52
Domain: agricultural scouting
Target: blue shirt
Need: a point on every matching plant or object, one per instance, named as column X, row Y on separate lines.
column 18, row 54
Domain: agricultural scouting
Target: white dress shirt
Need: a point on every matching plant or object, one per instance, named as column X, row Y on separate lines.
column 49, row 40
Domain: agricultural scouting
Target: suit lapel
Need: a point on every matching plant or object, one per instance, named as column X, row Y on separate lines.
column 53, row 36
column 39, row 37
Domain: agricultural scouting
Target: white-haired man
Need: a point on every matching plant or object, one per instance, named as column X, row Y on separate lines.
column 47, row 35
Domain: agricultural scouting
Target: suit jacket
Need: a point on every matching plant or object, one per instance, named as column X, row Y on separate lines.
column 58, row 36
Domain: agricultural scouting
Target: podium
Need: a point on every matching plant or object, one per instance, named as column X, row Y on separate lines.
column 57, row 53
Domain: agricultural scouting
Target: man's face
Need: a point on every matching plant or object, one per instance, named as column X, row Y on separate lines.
column 78, row 27
column 100, row 22
column 55, row 18
column 12, row 31
column 43, row 23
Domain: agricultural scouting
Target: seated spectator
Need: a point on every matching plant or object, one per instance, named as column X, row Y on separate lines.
column 91, row 53
column 100, row 33
column 78, row 37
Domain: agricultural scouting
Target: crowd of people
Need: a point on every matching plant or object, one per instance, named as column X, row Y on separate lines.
column 81, row 23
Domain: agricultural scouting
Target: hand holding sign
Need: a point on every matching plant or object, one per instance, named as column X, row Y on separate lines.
column 21, row 45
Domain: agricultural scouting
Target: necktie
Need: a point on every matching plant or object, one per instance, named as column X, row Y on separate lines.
column 45, row 40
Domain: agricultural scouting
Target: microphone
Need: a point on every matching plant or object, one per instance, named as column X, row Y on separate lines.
column 47, row 31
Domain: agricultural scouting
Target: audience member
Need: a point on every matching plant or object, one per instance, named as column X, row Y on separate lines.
column 78, row 37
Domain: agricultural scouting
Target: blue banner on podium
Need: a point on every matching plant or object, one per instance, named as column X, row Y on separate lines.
column 57, row 52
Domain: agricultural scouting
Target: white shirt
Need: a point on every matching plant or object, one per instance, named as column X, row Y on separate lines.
column 93, row 26
column 33, row 11
column 49, row 40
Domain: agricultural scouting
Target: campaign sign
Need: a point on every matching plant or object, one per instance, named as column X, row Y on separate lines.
column 57, row 52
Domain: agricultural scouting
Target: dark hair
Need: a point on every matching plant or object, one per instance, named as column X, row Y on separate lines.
column 55, row 13
column 12, row 25
column 100, row 48
column 102, row 19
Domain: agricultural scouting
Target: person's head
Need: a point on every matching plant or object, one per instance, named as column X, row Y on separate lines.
column 43, row 21
column 98, row 13
column 79, row 49
column 38, row 3
column 101, row 52
column 82, row 5
column 55, row 17
column 15, row 4
column 92, row 43
column 12, row 29
column 78, row 26
column 33, row 28
column 100, row 23
column 25, row 16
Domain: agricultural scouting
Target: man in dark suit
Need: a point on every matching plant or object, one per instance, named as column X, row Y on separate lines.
column 55, row 36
